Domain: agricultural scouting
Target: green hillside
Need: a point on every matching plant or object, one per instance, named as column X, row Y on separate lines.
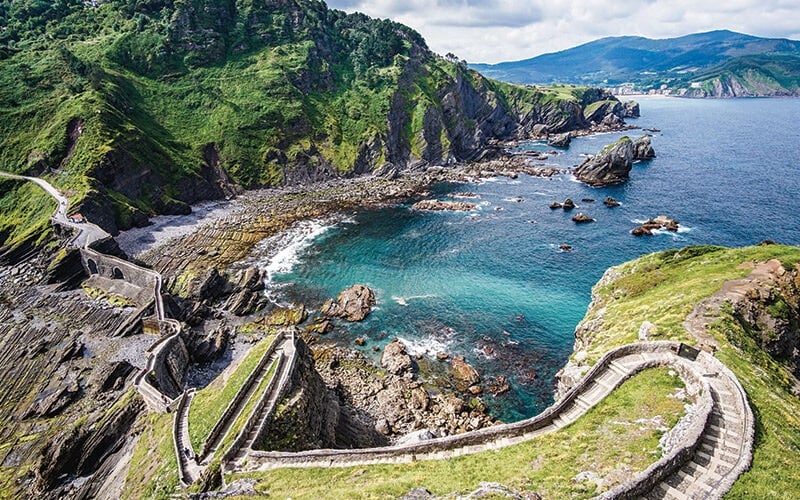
column 138, row 108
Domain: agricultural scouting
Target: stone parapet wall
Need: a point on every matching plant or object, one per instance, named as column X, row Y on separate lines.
column 469, row 442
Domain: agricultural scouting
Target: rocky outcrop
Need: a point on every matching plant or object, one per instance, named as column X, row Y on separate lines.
column 581, row 218
column 632, row 109
column 438, row 206
column 654, row 224
column 352, row 304
column 560, row 140
column 642, row 149
column 610, row 166
column 610, row 202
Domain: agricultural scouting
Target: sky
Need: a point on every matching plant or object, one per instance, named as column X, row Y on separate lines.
column 493, row 31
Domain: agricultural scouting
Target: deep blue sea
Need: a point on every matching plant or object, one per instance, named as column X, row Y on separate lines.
column 492, row 285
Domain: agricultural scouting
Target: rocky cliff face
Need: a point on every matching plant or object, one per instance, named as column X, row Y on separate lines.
column 610, row 166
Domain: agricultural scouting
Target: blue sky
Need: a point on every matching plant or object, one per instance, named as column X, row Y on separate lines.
column 505, row 30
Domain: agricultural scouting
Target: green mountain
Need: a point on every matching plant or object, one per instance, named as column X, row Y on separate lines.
column 647, row 63
column 138, row 108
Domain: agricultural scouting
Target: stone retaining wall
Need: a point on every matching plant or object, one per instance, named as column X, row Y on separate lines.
column 228, row 414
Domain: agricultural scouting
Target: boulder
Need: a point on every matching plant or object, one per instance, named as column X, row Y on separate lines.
column 611, row 165
column 352, row 304
column 652, row 224
column 642, row 149
column 611, row 202
column 560, row 140
column 568, row 204
column 464, row 372
column 565, row 248
column 581, row 218
column 556, row 205
column 631, row 109
column 395, row 358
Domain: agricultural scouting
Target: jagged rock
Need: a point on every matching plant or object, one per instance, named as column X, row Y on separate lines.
column 581, row 218
column 555, row 205
column 611, row 202
column 499, row 386
column 464, row 372
column 561, row 140
column 395, row 358
column 210, row 286
column 632, row 109
column 611, row 165
column 54, row 403
column 568, row 204
column 436, row 205
column 442, row 356
column 71, row 351
column 642, row 149
column 205, row 348
column 565, row 248
column 111, row 377
column 352, row 304
column 360, row 341
column 652, row 224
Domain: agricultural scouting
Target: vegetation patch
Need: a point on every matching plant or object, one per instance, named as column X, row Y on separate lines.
column 210, row 403
column 153, row 471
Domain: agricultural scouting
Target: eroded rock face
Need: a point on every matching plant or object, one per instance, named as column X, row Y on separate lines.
column 612, row 165
column 464, row 372
column 642, row 149
column 560, row 140
column 352, row 304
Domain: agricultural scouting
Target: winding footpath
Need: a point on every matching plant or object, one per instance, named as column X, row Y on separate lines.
column 715, row 446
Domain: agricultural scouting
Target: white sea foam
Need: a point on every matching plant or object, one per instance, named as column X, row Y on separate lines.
column 403, row 301
column 290, row 245
column 429, row 346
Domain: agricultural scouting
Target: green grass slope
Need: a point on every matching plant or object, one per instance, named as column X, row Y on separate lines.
column 137, row 108
column 663, row 289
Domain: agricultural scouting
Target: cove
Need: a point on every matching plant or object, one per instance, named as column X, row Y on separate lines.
column 493, row 285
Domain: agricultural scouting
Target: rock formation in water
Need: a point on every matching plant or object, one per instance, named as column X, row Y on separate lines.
column 642, row 149
column 352, row 304
column 611, row 165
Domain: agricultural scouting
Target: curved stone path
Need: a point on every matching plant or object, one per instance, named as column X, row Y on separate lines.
column 717, row 450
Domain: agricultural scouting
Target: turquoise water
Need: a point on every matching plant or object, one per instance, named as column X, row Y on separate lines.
column 493, row 286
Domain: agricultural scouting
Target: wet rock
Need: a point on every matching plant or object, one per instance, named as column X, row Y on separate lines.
column 436, row 205
column 642, row 149
column 632, row 109
column 555, row 205
column 291, row 316
column 611, row 202
column 654, row 224
column 352, row 304
column 565, row 248
column 561, row 140
column 581, row 218
column 587, row 200
column 395, row 358
column 442, row 356
column 464, row 372
column 360, row 341
column 568, row 204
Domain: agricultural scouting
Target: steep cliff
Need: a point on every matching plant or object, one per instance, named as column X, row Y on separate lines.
column 142, row 108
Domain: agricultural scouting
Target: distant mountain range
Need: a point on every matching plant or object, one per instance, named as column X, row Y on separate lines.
column 713, row 64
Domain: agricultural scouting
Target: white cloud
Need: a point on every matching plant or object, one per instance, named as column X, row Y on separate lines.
column 504, row 30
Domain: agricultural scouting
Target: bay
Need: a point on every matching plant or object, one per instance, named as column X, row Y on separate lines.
column 493, row 286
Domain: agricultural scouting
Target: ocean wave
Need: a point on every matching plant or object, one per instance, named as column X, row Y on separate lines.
column 403, row 301
column 429, row 346
column 290, row 245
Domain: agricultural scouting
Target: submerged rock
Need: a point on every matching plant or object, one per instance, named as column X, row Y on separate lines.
column 438, row 206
